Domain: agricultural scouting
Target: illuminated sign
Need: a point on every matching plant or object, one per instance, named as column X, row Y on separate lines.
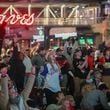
column 90, row 41
column 38, row 38
column 14, row 17
column 65, row 35
column 83, row 41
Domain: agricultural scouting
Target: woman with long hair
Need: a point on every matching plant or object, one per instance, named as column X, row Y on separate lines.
column 52, row 80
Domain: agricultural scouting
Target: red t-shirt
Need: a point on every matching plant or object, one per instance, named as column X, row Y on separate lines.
column 102, row 60
column 72, row 107
column 90, row 62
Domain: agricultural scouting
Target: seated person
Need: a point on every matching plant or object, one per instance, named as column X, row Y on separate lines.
column 59, row 97
column 93, row 99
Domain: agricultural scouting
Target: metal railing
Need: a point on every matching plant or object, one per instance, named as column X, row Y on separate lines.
column 68, row 21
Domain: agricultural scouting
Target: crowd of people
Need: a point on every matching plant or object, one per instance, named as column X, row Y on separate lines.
column 69, row 78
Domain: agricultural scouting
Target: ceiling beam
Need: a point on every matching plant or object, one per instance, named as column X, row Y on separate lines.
column 41, row 5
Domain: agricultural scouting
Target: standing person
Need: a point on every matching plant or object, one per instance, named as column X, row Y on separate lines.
column 20, row 72
column 38, row 60
column 71, row 43
column 70, row 75
column 90, row 59
column 17, row 68
column 68, row 55
column 10, row 99
column 52, row 80
column 64, row 65
column 105, row 62
column 80, row 67
column 28, row 64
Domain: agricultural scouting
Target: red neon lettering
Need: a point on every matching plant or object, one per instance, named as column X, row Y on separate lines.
column 27, row 20
column 2, row 18
column 13, row 19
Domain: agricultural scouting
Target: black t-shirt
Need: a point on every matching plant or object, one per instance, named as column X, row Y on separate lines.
column 78, row 72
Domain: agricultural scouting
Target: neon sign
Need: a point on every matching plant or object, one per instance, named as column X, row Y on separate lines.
column 16, row 18
column 13, row 19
